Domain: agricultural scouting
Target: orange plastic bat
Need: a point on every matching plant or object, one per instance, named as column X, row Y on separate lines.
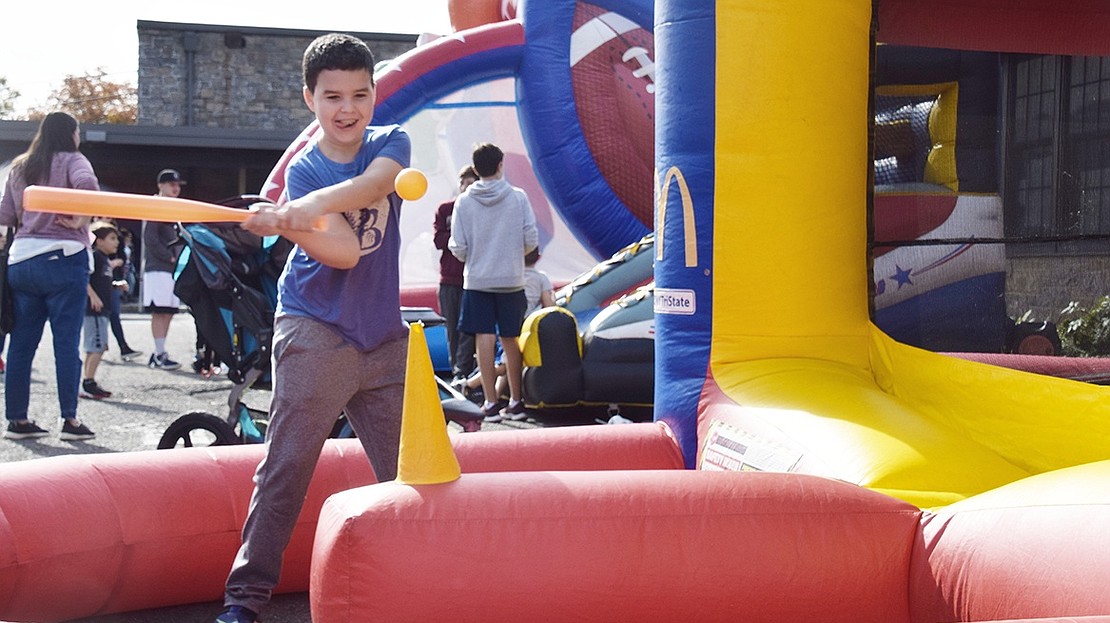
column 127, row 206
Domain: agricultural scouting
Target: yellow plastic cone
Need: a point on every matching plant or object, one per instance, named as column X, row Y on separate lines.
column 426, row 456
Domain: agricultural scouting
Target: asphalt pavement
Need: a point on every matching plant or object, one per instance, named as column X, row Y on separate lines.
column 144, row 402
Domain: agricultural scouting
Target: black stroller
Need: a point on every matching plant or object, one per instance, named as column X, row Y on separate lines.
column 228, row 278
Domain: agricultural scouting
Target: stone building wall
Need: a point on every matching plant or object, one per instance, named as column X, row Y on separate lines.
column 231, row 77
column 1045, row 285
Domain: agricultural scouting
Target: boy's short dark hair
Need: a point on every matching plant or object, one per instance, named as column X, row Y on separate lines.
column 487, row 157
column 336, row 51
column 101, row 229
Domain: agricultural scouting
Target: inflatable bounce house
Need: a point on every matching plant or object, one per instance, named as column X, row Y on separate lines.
column 803, row 466
column 936, row 244
column 938, row 284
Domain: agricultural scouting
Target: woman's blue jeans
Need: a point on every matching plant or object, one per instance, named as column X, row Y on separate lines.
column 53, row 287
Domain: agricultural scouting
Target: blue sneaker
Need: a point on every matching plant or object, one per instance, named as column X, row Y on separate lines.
column 237, row 614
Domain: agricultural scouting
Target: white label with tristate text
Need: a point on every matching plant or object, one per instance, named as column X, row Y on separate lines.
column 681, row 302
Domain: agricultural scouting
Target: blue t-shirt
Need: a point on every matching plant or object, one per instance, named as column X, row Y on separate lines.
column 362, row 304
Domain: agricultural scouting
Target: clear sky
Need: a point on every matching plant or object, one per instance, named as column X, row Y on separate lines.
column 38, row 50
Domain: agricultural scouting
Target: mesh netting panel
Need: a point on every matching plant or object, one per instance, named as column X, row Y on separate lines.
column 902, row 139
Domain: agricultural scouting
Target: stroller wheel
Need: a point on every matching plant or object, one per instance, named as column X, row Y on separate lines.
column 197, row 429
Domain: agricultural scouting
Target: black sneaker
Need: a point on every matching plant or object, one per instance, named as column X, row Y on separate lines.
column 237, row 614
column 76, row 432
column 163, row 362
column 90, row 389
column 127, row 354
column 514, row 411
column 24, row 430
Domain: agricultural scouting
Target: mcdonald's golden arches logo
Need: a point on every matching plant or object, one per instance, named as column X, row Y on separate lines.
column 689, row 227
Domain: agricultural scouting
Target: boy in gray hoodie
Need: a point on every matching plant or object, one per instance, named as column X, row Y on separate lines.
column 492, row 229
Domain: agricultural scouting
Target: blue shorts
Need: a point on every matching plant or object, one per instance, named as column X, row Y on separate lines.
column 497, row 313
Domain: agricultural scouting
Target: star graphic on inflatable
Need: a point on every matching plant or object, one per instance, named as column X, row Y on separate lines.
column 902, row 276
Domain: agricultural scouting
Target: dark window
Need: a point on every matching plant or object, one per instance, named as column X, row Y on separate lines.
column 1058, row 152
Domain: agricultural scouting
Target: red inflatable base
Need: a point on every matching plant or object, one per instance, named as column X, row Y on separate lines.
column 614, row 546
column 711, row 546
column 94, row 534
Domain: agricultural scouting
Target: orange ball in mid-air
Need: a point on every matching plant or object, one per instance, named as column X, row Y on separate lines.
column 411, row 184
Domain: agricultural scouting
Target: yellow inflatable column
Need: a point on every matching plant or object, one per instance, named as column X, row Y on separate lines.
column 792, row 93
column 800, row 380
column 791, row 359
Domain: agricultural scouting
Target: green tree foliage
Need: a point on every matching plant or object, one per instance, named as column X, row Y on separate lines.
column 8, row 96
column 93, row 98
column 1086, row 333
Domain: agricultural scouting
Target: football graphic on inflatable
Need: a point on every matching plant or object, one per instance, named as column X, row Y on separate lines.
column 587, row 110
column 613, row 76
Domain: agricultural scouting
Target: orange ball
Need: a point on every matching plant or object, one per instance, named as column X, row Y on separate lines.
column 411, row 184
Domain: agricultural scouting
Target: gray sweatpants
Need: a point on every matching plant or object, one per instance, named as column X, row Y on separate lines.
column 316, row 375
